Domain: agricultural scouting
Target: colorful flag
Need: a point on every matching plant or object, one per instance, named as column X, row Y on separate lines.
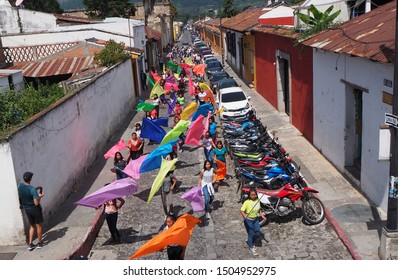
column 150, row 80
column 163, row 121
column 179, row 233
column 172, row 104
column 152, row 131
column 165, row 167
column 170, row 79
column 221, row 170
column 194, row 196
column 199, row 69
column 207, row 124
column 170, row 86
column 204, row 86
column 172, row 65
column 117, row 189
column 142, row 106
column 191, row 87
column 195, row 132
column 117, row 148
column 189, row 61
column 209, row 96
column 156, row 76
column 173, row 134
column 133, row 168
column 202, row 110
column 157, row 89
column 189, row 110
column 154, row 158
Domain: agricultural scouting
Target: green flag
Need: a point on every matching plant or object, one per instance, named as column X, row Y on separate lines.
column 175, row 132
column 178, row 70
column 166, row 166
column 172, row 65
column 142, row 106
column 150, row 80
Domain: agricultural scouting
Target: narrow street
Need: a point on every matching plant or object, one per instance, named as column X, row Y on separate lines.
column 223, row 236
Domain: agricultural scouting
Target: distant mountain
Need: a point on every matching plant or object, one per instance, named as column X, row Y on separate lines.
column 191, row 7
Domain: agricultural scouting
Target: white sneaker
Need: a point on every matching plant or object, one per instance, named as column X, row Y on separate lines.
column 207, row 215
column 254, row 251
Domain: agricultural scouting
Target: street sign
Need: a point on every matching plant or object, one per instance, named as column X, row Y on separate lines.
column 392, row 120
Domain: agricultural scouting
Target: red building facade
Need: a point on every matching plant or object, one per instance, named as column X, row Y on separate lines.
column 284, row 75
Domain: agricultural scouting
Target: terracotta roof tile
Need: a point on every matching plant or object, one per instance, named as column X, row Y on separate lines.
column 245, row 20
column 371, row 35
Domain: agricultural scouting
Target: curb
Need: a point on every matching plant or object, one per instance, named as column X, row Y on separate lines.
column 82, row 251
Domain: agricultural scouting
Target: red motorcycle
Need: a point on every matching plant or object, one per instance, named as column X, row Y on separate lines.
column 283, row 201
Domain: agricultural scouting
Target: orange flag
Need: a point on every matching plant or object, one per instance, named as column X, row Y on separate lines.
column 179, row 233
column 209, row 94
column 199, row 70
column 221, row 170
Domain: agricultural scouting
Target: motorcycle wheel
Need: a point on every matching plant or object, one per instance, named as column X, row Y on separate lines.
column 313, row 211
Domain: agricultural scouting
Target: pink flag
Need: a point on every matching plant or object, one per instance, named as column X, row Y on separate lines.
column 195, row 132
column 117, row 148
column 191, row 86
column 133, row 168
column 194, row 196
column 169, row 86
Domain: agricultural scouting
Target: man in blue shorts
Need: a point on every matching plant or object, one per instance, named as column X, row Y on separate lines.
column 29, row 200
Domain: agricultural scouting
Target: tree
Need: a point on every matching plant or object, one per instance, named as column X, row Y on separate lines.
column 112, row 53
column 45, row 6
column 319, row 21
column 228, row 9
column 112, row 8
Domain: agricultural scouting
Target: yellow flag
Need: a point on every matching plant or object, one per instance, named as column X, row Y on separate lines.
column 176, row 76
column 220, row 111
column 157, row 89
column 189, row 61
column 189, row 110
column 204, row 86
column 166, row 166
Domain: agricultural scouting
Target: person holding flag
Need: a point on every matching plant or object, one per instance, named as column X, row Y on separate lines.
column 174, row 251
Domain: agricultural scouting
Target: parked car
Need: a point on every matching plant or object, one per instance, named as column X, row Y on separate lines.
column 207, row 56
column 234, row 101
column 210, row 59
column 224, row 83
column 212, row 67
column 216, row 76
column 206, row 52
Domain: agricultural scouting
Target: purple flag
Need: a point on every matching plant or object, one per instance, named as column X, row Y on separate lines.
column 133, row 168
column 117, row 189
column 194, row 196
column 172, row 104
column 170, row 79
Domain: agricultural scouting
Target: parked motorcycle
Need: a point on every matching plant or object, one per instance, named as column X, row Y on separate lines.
column 283, row 201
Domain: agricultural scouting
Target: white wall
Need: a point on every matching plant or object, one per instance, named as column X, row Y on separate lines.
column 104, row 31
column 31, row 21
column 12, row 225
column 330, row 111
column 60, row 144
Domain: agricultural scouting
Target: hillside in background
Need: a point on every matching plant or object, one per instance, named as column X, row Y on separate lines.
column 191, row 7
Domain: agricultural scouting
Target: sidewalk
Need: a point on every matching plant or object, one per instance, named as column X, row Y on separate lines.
column 73, row 229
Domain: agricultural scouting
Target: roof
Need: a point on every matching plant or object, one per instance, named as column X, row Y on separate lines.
column 74, row 19
column 103, row 43
column 277, row 30
column 151, row 33
column 371, row 35
column 244, row 20
column 54, row 67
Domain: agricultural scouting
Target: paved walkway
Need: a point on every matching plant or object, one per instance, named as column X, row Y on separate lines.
column 352, row 229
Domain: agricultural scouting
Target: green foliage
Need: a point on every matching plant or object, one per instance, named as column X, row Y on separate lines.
column 45, row 6
column 228, row 9
column 16, row 106
column 112, row 53
column 318, row 21
column 109, row 8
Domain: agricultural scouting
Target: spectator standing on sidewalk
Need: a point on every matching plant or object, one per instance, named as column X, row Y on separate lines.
column 143, row 80
column 249, row 211
column 29, row 199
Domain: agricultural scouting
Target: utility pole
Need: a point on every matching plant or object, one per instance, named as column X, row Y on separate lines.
column 388, row 244
column 392, row 217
